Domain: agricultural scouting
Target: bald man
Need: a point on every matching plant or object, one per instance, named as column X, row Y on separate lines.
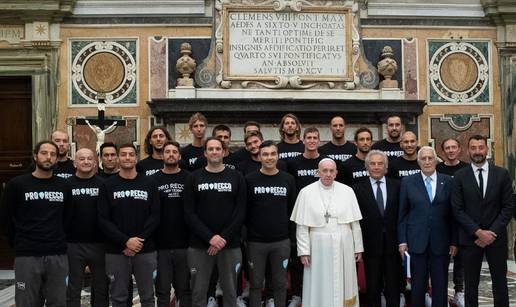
column 406, row 164
column 329, row 240
column 84, row 238
column 64, row 167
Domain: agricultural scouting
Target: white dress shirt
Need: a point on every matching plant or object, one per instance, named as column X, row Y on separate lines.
column 485, row 173
column 383, row 187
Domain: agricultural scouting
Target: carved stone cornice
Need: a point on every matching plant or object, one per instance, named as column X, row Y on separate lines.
column 22, row 11
column 502, row 12
column 270, row 110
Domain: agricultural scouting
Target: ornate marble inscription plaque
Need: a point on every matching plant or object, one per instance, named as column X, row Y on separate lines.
column 11, row 33
column 261, row 43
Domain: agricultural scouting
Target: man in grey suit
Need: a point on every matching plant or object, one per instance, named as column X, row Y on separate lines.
column 483, row 206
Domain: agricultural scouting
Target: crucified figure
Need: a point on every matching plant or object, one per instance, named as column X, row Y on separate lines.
column 101, row 134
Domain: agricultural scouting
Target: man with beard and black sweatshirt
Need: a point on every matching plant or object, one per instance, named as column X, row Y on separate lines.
column 215, row 200
column 128, row 215
column 253, row 140
column 391, row 144
column 271, row 195
column 304, row 169
column 172, row 233
column 64, row 167
column 406, row 164
column 191, row 152
column 33, row 207
column 354, row 169
column 84, row 237
column 243, row 154
column 154, row 141
column 290, row 131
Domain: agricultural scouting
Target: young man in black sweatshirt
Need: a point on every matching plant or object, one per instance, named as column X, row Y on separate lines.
column 191, row 152
column 354, row 170
column 304, row 169
column 34, row 205
column 109, row 160
column 64, row 167
column 391, row 144
column 406, row 164
column 172, row 233
column 215, row 200
column 128, row 215
column 290, row 132
column 271, row 195
column 338, row 148
column 153, row 144
column 84, row 237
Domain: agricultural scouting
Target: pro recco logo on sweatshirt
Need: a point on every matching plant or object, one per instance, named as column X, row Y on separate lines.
column 45, row 195
column 135, row 194
column 215, row 186
column 276, row 191
column 85, row 191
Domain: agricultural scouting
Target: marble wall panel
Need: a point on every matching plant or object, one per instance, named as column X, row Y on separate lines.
column 410, row 68
column 461, row 127
column 158, row 67
column 459, row 72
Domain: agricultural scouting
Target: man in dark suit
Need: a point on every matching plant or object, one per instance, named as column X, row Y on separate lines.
column 378, row 200
column 425, row 228
column 483, row 207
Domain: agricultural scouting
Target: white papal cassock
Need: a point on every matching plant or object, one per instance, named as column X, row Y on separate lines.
column 328, row 230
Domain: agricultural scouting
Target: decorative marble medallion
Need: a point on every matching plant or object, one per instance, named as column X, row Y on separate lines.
column 104, row 67
column 459, row 72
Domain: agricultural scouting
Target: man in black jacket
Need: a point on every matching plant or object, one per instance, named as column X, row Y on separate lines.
column 378, row 199
column 482, row 205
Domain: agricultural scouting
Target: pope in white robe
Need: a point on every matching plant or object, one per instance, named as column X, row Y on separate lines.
column 329, row 240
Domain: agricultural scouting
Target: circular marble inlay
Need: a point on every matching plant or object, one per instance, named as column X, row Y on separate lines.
column 103, row 72
column 459, row 72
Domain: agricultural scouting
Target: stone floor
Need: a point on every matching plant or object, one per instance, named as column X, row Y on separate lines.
column 485, row 294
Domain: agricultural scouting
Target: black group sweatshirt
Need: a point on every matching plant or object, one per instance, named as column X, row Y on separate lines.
column 338, row 152
column 270, row 200
column 392, row 150
column 190, row 154
column 287, row 151
column 215, row 205
column 82, row 211
column 352, row 171
column 129, row 208
column 172, row 231
column 401, row 167
column 304, row 170
column 149, row 166
column 35, row 214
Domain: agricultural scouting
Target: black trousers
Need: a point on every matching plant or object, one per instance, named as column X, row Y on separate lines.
column 497, row 260
column 382, row 273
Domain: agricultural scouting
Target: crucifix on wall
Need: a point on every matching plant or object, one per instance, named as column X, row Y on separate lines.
column 98, row 126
